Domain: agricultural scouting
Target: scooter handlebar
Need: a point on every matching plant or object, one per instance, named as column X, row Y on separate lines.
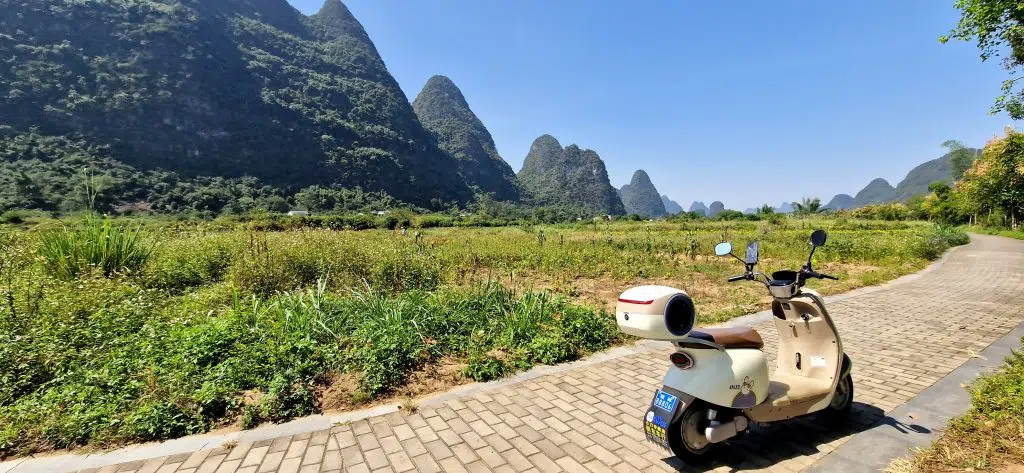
column 738, row 278
column 814, row 274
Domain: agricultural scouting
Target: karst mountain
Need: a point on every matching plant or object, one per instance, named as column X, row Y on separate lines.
column 567, row 177
column 224, row 88
column 443, row 110
column 641, row 197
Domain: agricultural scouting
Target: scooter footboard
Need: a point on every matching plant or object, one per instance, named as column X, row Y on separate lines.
column 667, row 405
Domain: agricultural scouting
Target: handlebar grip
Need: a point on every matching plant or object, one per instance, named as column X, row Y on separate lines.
column 737, row 278
column 829, row 277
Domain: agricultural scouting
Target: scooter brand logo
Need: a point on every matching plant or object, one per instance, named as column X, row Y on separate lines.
column 745, row 398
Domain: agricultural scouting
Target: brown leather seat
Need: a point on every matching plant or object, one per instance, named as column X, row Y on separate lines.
column 731, row 337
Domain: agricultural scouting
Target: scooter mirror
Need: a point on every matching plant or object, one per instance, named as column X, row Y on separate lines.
column 751, row 253
column 723, row 248
column 818, row 238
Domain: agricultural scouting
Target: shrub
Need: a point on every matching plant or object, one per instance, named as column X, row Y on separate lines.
column 188, row 265
column 940, row 239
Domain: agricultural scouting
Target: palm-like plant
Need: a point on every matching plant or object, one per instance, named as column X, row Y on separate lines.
column 808, row 206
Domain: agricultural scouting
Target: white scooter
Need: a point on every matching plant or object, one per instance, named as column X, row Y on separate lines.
column 719, row 381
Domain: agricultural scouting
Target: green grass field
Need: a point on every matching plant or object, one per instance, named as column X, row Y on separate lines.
column 134, row 330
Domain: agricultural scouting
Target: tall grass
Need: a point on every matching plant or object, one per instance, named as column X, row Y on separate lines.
column 97, row 244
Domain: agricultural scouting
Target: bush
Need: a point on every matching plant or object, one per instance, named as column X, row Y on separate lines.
column 939, row 240
column 96, row 244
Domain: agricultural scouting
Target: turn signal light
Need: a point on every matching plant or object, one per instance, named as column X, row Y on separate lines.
column 681, row 360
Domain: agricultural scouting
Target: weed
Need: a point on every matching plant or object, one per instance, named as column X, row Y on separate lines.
column 97, row 243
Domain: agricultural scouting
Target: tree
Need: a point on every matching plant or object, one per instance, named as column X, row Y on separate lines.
column 996, row 25
column 807, row 206
column 766, row 210
column 995, row 182
column 960, row 158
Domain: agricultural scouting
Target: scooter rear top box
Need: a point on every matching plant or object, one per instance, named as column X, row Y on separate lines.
column 655, row 313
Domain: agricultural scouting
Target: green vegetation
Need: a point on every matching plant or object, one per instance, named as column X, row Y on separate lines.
column 97, row 244
column 161, row 328
column 998, row 28
column 989, row 436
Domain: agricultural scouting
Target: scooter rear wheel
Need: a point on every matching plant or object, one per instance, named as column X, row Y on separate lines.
column 686, row 435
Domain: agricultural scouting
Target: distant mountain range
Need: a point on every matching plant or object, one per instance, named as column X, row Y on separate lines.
column 916, row 182
column 211, row 105
column 671, row 207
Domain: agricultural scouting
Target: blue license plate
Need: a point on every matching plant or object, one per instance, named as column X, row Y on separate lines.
column 665, row 401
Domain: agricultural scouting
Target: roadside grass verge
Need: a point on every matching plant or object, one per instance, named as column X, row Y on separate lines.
column 989, row 437
column 1006, row 232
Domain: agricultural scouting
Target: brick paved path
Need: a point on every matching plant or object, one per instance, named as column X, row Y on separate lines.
column 901, row 339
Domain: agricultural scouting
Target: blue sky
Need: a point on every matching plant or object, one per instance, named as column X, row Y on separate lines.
column 743, row 102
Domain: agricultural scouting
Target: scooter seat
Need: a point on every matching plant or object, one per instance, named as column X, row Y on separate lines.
column 731, row 337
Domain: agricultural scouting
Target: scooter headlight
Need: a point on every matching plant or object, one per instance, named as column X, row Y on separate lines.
column 681, row 360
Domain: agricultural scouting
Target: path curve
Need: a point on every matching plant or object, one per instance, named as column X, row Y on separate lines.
column 902, row 339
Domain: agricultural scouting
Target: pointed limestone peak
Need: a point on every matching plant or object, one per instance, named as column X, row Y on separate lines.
column 544, row 152
column 443, row 110
column 640, row 177
column 443, row 86
column 337, row 21
column 641, row 197
column 440, row 99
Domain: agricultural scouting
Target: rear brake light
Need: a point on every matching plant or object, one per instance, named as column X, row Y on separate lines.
column 681, row 360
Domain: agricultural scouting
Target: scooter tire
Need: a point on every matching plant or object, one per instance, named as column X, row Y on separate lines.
column 685, row 433
column 842, row 402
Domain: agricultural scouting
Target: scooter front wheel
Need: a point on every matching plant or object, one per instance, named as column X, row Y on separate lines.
column 686, row 436
column 842, row 401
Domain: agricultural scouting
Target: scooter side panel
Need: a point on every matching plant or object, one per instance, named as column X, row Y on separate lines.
column 731, row 378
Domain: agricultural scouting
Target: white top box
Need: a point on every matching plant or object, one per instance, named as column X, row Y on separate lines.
column 655, row 313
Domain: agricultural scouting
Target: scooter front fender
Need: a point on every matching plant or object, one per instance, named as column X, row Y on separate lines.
column 735, row 378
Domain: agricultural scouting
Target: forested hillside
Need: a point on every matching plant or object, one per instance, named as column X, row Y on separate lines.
column 225, row 88
column 443, row 110
column 567, row 177
column 641, row 197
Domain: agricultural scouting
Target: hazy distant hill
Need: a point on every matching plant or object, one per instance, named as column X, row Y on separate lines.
column 699, row 207
column 840, row 202
column 918, row 179
column 784, row 208
column 220, row 88
column 641, row 197
column 671, row 207
column 916, row 182
column 878, row 190
column 443, row 110
column 716, row 208
column 569, row 176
